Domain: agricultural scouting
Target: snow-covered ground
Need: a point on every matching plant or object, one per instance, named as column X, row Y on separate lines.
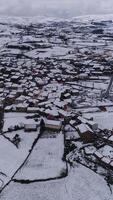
column 27, row 138
column 45, row 161
column 104, row 119
column 51, row 87
column 50, row 52
column 98, row 18
column 81, row 184
column 11, row 159
column 12, row 119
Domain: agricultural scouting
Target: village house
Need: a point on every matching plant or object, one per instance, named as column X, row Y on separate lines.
column 63, row 113
column 83, row 76
column 30, row 127
column 51, row 113
column 86, row 134
column 22, row 107
column 109, row 140
column 15, row 78
column 53, row 124
column 14, row 86
column 32, row 110
column 10, row 99
column 8, row 109
column 105, row 156
column 20, row 99
column 92, row 125
column 71, row 134
column 73, row 123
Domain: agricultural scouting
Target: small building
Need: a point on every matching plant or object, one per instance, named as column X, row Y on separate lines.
column 32, row 110
column 105, row 156
column 53, row 124
column 15, row 79
column 102, row 108
column 106, row 160
column 72, row 136
column 110, row 140
column 86, row 134
column 8, row 109
column 98, row 155
column 63, row 113
column 30, row 127
column 22, row 107
column 92, row 125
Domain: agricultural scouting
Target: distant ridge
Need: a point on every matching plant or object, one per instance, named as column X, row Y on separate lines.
column 42, row 19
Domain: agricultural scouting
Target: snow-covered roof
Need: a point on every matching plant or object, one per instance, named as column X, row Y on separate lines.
column 30, row 126
column 111, row 138
column 84, row 128
column 53, row 122
column 106, row 160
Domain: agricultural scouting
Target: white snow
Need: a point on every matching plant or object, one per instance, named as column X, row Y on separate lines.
column 12, row 119
column 10, row 159
column 103, row 119
column 81, row 184
column 45, row 161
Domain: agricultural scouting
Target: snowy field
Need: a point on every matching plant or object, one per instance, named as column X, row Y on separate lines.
column 51, row 52
column 45, row 161
column 13, row 118
column 45, row 67
column 27, row 138
column 81, row 184
column 104, row 119
column 10, row 159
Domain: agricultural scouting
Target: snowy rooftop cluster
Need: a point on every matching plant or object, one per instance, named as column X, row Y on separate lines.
column 56, row 105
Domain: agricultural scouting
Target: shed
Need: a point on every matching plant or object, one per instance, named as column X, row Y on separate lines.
column 53, row 124
column 85, row 133
column 92, row 125
column 30, row 127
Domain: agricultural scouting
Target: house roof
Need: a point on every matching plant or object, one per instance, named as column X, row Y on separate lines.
column 84, row 128
column 111, row 138
column 30, row 126
column 53, row 122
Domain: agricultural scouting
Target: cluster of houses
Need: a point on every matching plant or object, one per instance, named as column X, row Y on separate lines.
column 42, row 69
column 105, row 156
column 48, row 124
column 57, row 72
column 86, row 128
column 31, row 91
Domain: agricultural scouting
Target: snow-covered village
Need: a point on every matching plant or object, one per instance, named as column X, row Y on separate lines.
column 56, row 109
